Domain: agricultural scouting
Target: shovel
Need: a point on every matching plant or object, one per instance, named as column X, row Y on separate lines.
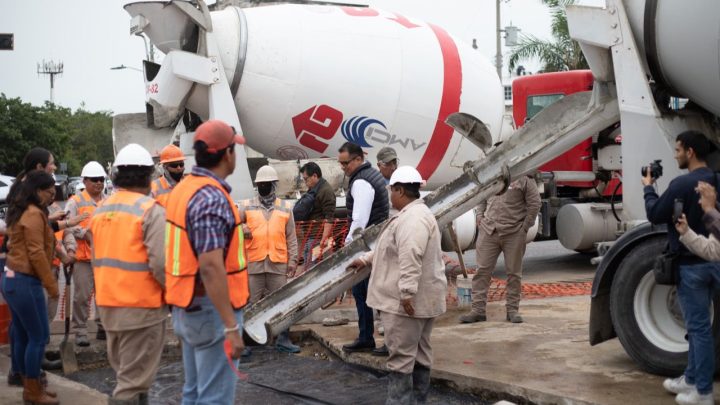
column 67, row 348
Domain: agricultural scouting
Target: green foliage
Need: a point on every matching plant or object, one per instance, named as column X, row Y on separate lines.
column 73, row 137
column 558, row 55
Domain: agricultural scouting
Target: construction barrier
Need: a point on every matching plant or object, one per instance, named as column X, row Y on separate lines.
column 309, row 234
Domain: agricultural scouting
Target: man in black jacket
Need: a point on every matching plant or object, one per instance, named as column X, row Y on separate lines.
column 367, row 204
column 691, row 151
column 318, row 204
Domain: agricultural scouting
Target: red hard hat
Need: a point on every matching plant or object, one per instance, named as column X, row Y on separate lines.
column 171, row 153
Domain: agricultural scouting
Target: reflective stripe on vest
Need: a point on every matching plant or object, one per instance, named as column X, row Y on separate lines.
column 56, row 260
column 123, row 277
column 181, row 263
column 85, row 204
column 160, row 190
column 268, row 236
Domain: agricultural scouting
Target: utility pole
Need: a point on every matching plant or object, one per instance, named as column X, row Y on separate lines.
column 498, row 55
column 51, row 69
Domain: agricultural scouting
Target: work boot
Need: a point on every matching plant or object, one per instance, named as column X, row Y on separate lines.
column 472, row 317
column 283, row 344
column 400, row 389
column 14, row 379
column 694, row 398
column 34, row 394
column 50, row 364
column 100, row 335
column 358, row 346
column 381, row 351
column 82, row 341
column 514, row 317
column 677, row 385
column 44, row 383
column 421, row 383
column 143, row 398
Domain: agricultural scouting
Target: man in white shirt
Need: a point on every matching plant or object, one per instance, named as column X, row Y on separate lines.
column 367, row 204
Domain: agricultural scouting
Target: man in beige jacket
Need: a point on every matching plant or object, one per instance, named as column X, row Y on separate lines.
column 407, row 285
column 503, row 223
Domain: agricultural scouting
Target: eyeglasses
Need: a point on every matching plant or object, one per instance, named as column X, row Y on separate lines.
column 175, row 165
column 96, row 179
column 344, row 163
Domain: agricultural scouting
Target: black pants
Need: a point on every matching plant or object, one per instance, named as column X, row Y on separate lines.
column 365, row 313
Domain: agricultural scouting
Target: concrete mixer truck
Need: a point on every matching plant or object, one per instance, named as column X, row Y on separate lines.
column 299, row 80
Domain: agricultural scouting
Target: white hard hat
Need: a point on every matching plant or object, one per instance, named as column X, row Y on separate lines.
column 133, row 155
column 93, row 169
column 266, row 173
column 406, row 174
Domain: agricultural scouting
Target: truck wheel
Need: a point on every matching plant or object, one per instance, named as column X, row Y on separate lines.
column 647, row 316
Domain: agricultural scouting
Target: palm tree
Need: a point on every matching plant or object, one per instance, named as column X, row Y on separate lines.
column 558, row 55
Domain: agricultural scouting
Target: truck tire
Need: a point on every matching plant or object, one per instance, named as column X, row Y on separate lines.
column 647, row 316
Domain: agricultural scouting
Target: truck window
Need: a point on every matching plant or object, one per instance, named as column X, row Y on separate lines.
column 537, row 103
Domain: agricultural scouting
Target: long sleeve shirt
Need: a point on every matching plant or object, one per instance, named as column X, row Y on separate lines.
column 363, row 194
column 659, row 209
column 513, row 211
column 407, row 263
column 68, row 240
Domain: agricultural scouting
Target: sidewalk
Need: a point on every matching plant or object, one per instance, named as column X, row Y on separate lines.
column 69, row 392
column 546, row 360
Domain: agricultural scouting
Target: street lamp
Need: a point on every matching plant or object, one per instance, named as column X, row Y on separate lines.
column 121, row 67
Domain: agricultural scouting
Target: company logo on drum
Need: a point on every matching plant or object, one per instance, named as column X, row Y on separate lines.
column 355, row 130
column 317, row 125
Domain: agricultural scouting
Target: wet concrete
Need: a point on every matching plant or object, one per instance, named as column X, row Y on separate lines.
column 313, row 377
column 546, row 360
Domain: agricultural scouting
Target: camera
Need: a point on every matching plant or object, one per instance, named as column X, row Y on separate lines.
column 656, row 169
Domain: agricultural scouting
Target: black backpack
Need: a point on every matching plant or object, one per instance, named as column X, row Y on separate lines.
column 304, row 206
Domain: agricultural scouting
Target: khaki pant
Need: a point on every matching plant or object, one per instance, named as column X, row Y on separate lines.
column 83, row 286
column 263, row 284
column 488, row 249
column 135, row 357
column 52, row 303
column 408, row 341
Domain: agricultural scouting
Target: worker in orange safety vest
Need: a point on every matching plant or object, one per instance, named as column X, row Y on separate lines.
column 272, row 245
column 128, row 248
column 86, row 202
column 205, row 267
column 173, row 162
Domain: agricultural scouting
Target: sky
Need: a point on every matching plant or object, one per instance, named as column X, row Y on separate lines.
column 91, row 36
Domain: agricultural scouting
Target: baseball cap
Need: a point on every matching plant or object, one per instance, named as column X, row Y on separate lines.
column 386, row 155
column 217, row 135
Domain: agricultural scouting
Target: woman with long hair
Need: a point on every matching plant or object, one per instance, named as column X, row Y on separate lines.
column 27, row 271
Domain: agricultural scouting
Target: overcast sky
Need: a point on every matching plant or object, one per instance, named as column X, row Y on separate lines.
column 91, row 36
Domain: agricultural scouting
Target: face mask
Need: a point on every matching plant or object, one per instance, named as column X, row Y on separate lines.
column 176, row 176
column 264, row 188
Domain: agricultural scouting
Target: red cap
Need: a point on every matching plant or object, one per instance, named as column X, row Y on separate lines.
column 217, row 135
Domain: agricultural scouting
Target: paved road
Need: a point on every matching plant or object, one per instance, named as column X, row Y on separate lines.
column 547, row 261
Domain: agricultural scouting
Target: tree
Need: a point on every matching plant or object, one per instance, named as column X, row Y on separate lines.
column 563, row 53
column 74, row 138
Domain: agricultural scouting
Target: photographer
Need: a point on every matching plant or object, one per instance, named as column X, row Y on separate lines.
column 691, row 150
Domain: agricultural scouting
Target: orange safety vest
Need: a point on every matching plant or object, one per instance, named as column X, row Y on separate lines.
column 123, row 277
column 268, row 236
column 160, row 189
column 181, row 263
column 84, row 203
column 56, row 260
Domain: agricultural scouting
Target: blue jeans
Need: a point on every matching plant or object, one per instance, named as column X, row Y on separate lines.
column 365, row 313
column 697, row 285
column 208, row 376
column 307, row 253
column 30, row 330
